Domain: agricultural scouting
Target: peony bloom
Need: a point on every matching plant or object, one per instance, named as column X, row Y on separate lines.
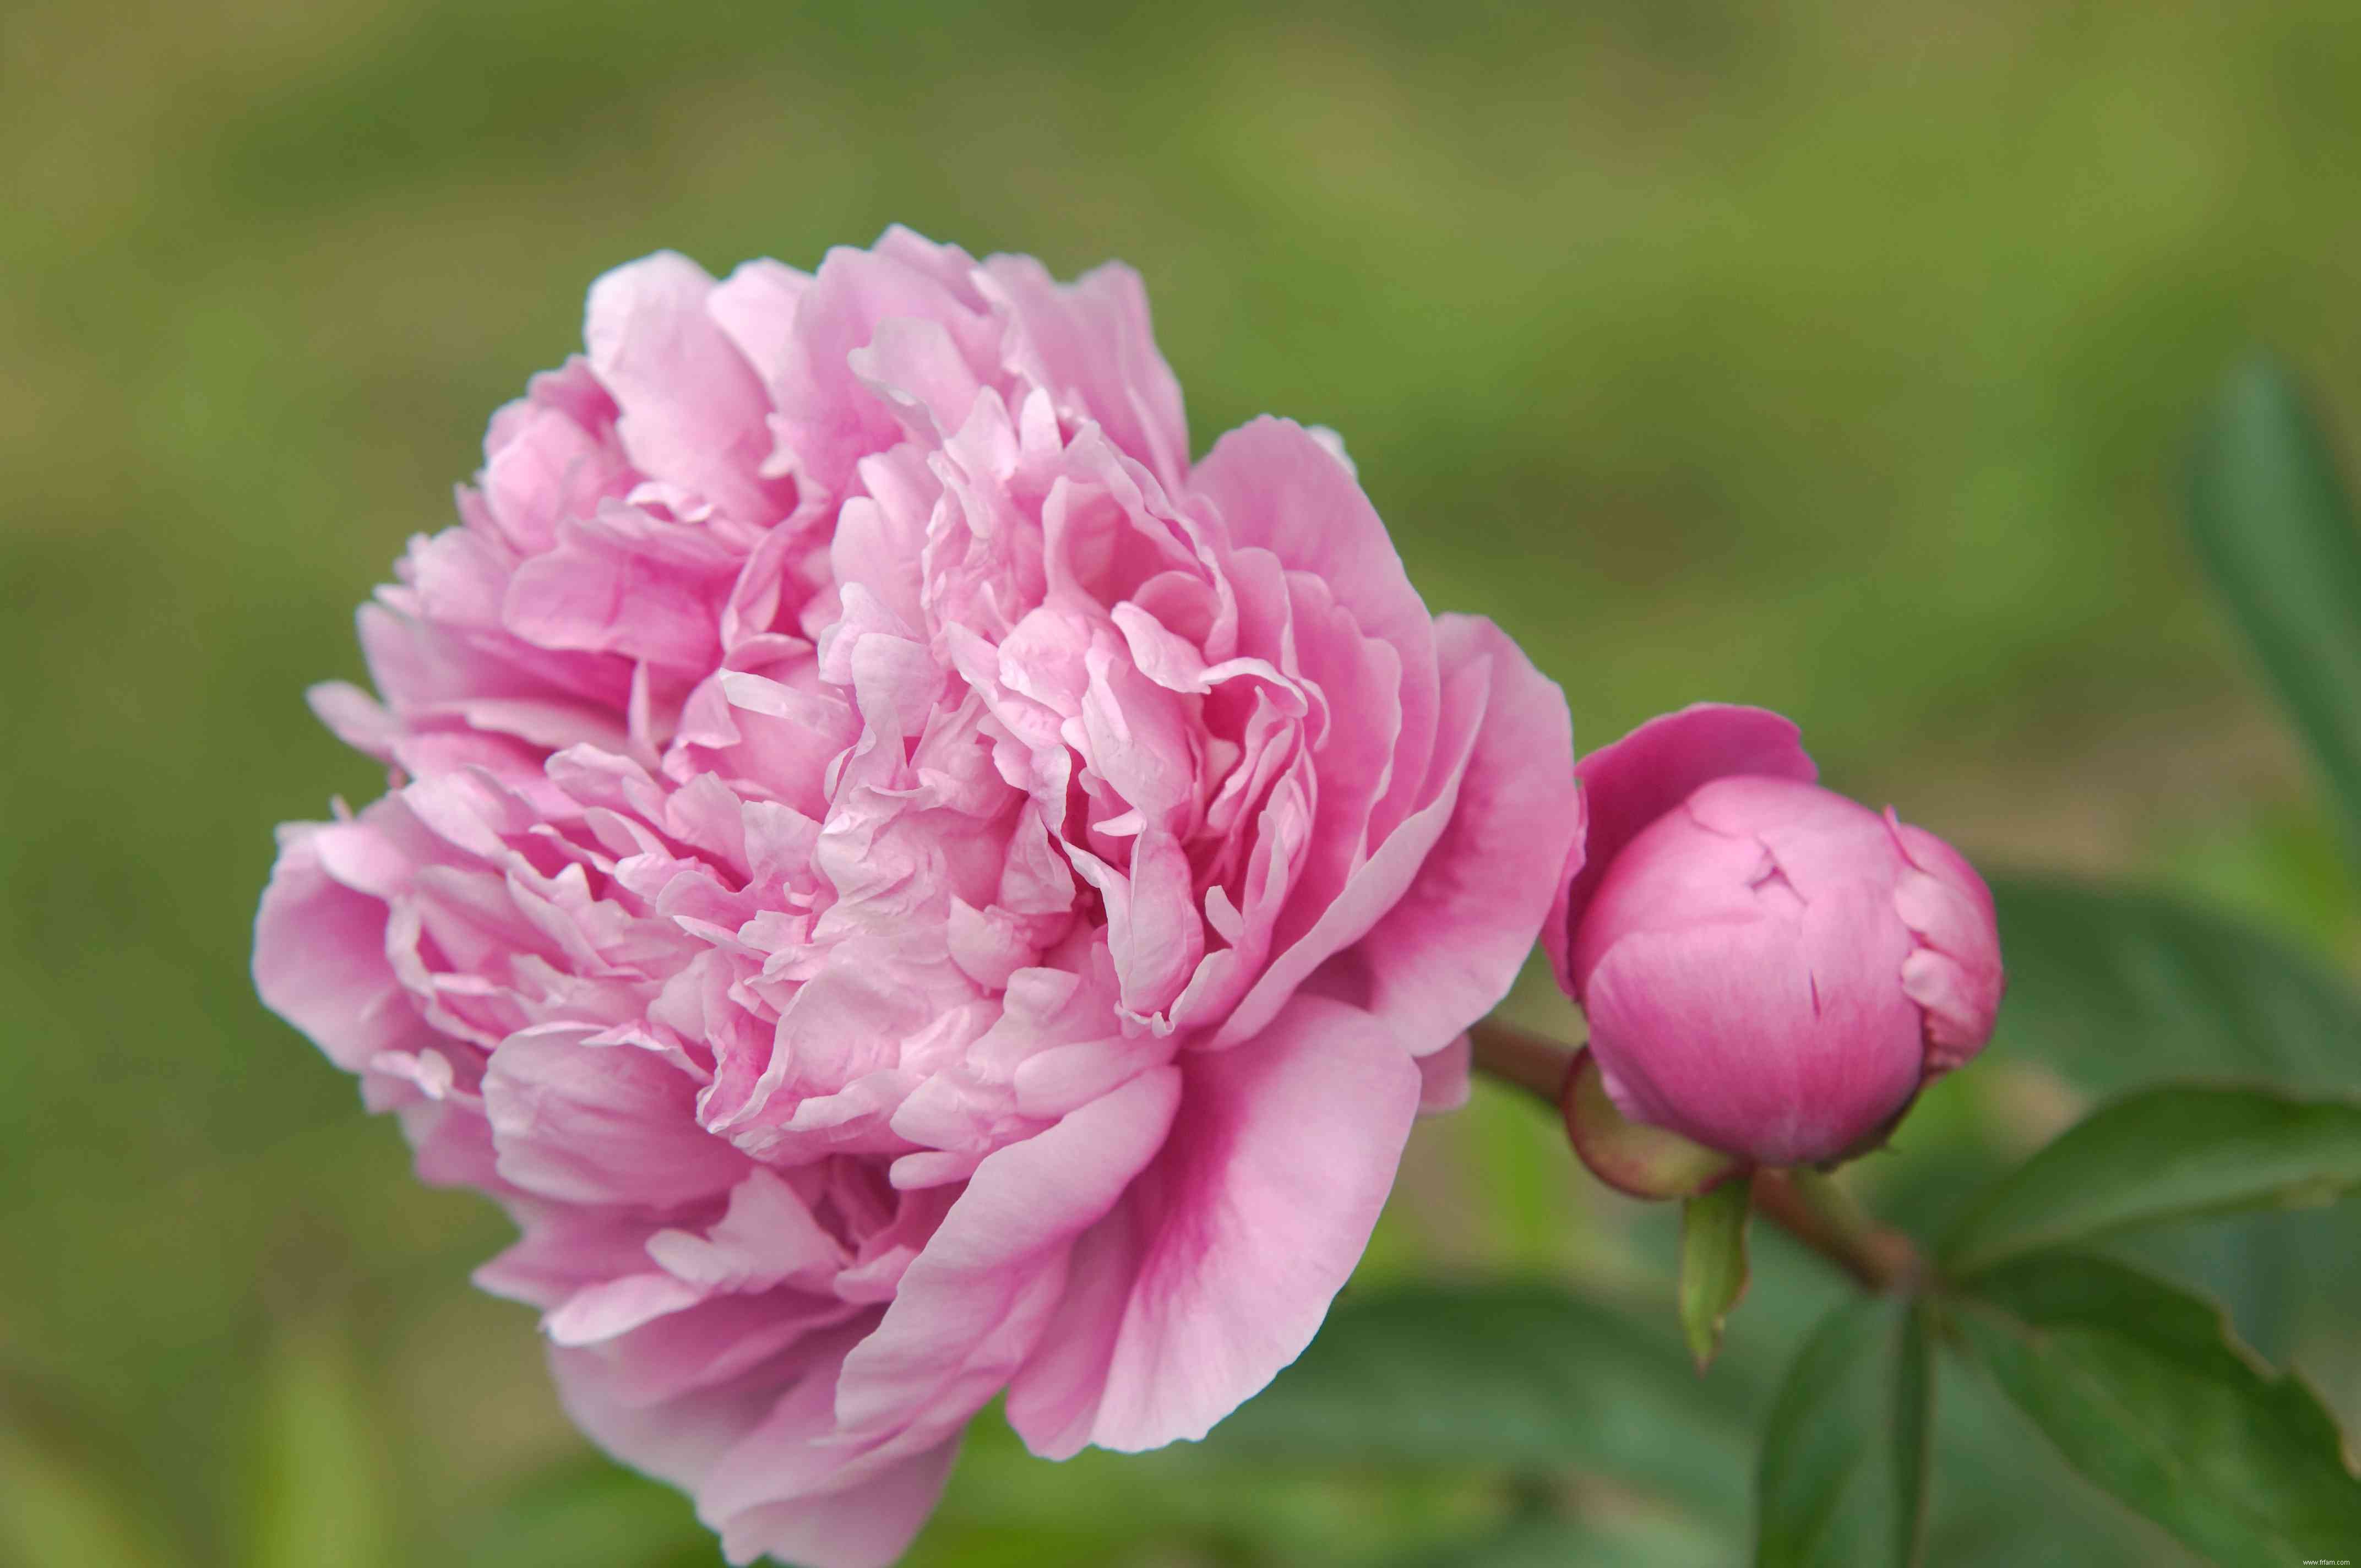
column 904, row 886
column 1770, row 969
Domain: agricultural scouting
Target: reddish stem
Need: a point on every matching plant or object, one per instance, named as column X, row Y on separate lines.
column 1816, row 1212
column 1802, row 1201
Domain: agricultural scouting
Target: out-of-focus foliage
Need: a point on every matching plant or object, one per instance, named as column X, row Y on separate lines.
column 1827, row 355
column 65, row 1499
column 2271, row 518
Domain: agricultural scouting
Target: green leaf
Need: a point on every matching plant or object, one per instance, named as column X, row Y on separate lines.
column 2172, row 1153
column 2140, row 1387
column 2115, row 988
column 1914, row 1433
column 323, row 1492
column 1844, row 1470
column 1713, row 1263
column 1509, row 1374
column 2273, row 525
column 2052, row 1516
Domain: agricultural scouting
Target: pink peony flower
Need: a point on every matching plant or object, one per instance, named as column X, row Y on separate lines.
column 1769, row 969
column 904, row 886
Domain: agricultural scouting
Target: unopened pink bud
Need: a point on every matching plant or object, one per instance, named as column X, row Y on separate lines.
column 1769, row 969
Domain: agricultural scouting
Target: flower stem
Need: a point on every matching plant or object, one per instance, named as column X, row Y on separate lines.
column 1802, row 1201
column 1535, row 1063
column 1823, row 1216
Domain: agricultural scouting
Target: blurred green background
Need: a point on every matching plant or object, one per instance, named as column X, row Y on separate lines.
column 1837, row 356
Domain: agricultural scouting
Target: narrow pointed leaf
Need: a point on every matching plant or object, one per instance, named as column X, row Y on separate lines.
column 2274, row 526
column 2174, row 1153
column 1844, row 1474
column 2142, row 1391
column 325, row 1493
column 1713, row 1265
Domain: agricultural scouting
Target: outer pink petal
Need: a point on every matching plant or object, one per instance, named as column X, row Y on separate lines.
column 866, row 1525
column 683, row 1395
column 1217, row 1269
column 1443, row 1078
column 1628, row 785
column 319, row 963
column 792, row 1487
column 975, row 1299
column 1447, row 952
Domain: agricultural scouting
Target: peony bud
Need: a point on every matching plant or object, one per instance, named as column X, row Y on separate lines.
column 1769, row 969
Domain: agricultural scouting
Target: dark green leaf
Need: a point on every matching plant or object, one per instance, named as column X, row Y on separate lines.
column 2052, row 1518
column 1914, row 1433
column 2116, row 988
column 2274, row 527
column 2172, row 1153
column 1519, row 1375
column 2142, row 1392
column 1843, row 1477
column 1713, row 1263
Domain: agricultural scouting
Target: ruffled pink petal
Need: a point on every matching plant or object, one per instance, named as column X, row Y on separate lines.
column 600, row 1124
column 1277, row 489
column 1629, row 783
column 1091, row 344
column 1382, row 879
column 1219, row 1264
column 693, row 409
column 826, row 419
column 755, row 305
